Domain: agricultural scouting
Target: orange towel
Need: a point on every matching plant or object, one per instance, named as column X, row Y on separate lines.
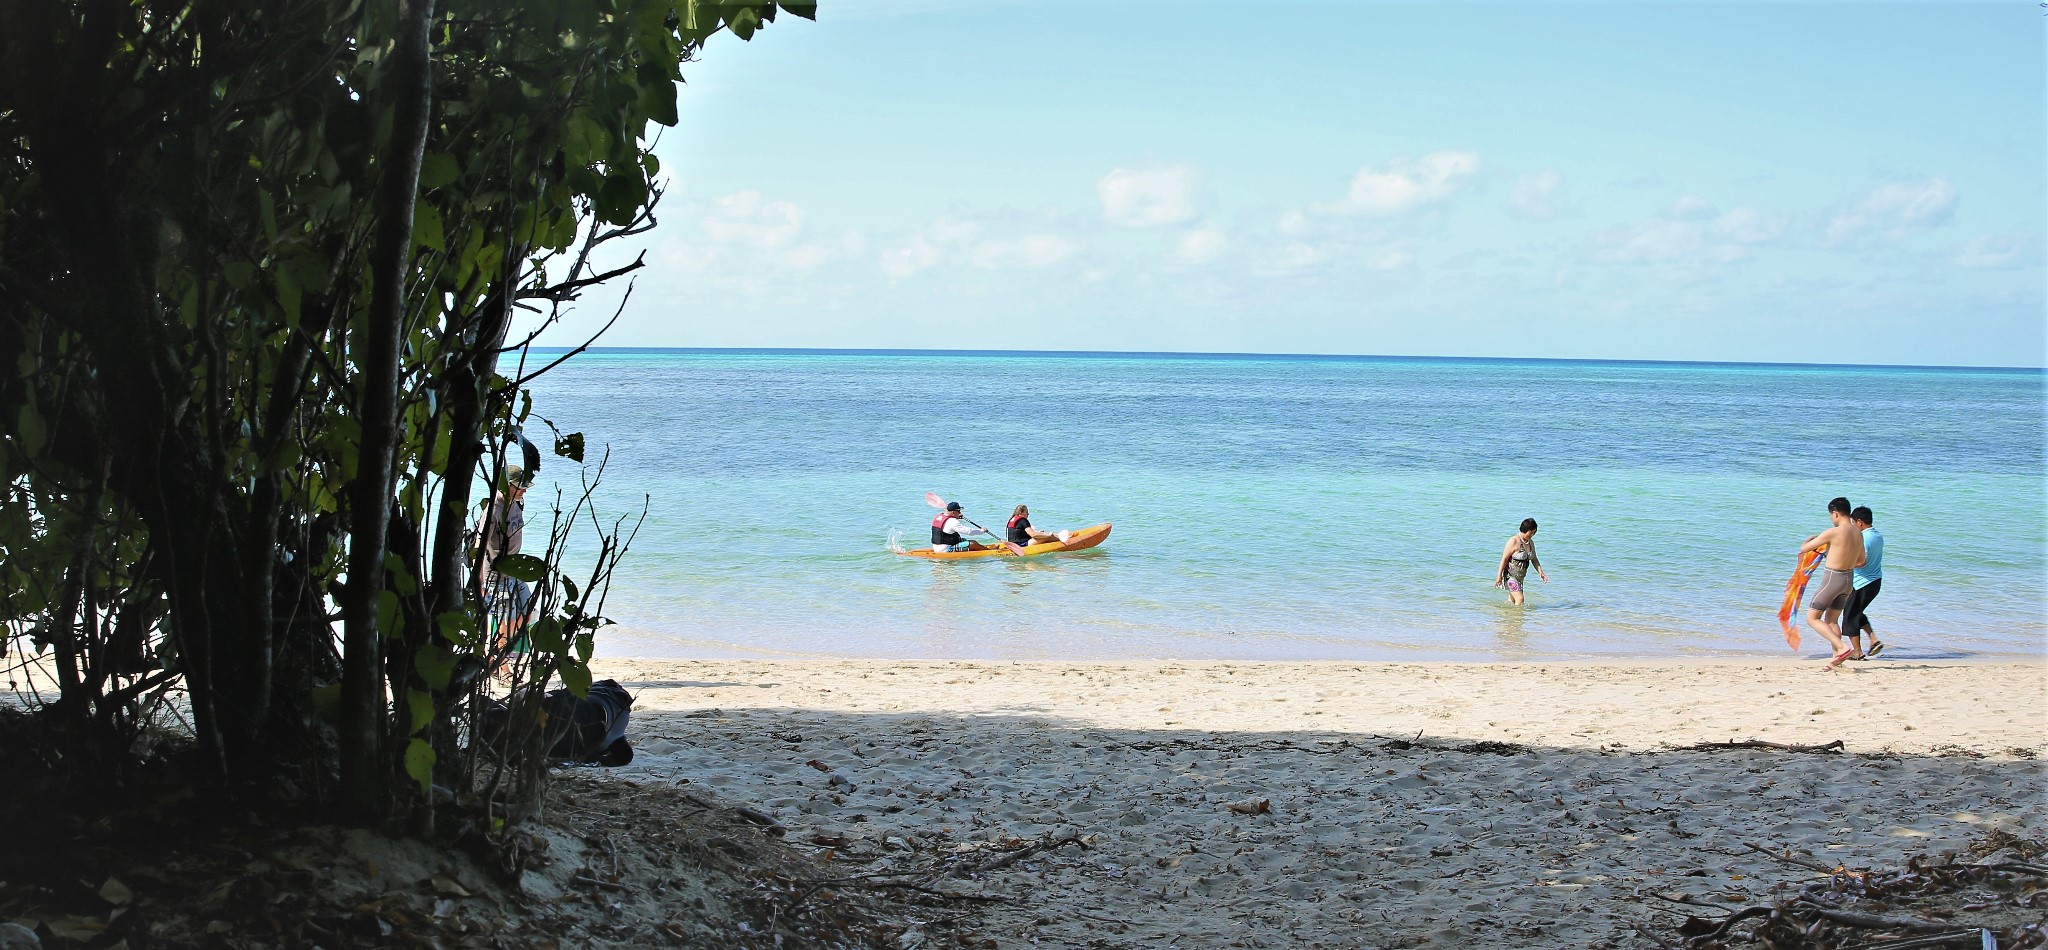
column 1794, row 589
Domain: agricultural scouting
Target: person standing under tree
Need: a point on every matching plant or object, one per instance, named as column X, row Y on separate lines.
column 506, row 598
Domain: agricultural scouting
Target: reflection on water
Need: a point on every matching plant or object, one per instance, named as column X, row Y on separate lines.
column 1509, row 637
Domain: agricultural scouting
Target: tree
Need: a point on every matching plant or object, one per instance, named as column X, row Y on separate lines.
column 258, row 264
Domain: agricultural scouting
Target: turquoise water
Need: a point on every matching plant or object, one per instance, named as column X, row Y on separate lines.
column 1299, row 508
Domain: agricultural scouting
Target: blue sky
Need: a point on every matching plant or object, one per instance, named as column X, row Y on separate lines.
column 1835, row 182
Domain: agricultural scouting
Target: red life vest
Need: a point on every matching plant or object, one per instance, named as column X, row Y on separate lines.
column 939, row 533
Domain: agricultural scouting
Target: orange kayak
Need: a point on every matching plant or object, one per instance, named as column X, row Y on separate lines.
column 1076, row 541
column 1794, row 589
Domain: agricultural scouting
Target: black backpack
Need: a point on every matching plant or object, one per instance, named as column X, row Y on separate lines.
column 591, row 730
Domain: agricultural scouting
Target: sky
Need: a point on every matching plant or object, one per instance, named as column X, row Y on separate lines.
column 1776, row 182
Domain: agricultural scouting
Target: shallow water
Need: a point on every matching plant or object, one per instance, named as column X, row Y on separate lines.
column 1297, row 508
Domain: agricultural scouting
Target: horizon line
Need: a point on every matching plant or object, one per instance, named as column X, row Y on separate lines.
column 1232, row 355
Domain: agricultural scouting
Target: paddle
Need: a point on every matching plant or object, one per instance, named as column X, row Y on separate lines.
column 932, row 498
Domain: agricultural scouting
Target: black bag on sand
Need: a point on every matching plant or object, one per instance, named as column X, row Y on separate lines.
column 589, row 731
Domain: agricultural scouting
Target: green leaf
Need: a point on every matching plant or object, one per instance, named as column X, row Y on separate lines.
column 576, row 676
column 435, row 665
column 426, row 226
column 30, row 430
column 286, row 280
column 545, row 635
column 743, row 23
column 267, row 206
column 524, row 567
column 400, row 579
column 808, row 9
column 389, row 620
column 456, row 627
column 419, row 763
column 421, row 704
column 570, row 446
column 437, row 454
column 621, row 197
column 437, row 169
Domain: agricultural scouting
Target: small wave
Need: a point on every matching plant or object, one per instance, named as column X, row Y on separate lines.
column 896, row 540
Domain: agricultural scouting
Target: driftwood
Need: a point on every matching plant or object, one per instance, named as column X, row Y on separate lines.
column 1835, row 746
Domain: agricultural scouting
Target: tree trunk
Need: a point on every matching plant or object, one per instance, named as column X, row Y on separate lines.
column 410, row 88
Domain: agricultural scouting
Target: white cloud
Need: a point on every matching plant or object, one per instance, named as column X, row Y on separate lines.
column 918, row 255
column 1149, row 197
column 1389, row 260
column 1028, row 251
column 804, row 256
column 962, row 241
column 1201, row 245
column 747, row 219
column 1894, row 211
column 1995, row 250
column 1536, row 194
column 1405, row 186
column 1289, row 258
column 1692, row 232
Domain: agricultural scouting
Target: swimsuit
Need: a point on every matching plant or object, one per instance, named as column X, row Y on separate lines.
column 1518, row 567
column 1833, row 591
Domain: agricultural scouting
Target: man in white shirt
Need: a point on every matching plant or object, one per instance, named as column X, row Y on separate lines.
column 949, row 530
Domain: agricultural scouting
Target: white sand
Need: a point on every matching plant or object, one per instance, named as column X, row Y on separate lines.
column 1367, row 843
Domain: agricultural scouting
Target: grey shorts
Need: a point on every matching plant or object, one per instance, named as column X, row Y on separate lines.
column 1831, row 591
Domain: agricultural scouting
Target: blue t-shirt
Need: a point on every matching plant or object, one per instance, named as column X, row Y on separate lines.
column 1873, row 568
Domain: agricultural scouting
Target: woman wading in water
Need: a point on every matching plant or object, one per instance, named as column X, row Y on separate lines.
column 1515, row 561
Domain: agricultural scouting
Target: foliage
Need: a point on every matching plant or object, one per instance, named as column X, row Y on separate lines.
column 215, row 430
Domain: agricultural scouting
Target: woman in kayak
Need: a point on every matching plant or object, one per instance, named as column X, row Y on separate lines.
column 1021, row 531
column 1515, row 561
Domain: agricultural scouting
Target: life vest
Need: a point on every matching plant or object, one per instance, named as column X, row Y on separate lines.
column 939, row 533
column 1019, row 533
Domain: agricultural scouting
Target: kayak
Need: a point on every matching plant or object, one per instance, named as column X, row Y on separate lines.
column 1080, row 540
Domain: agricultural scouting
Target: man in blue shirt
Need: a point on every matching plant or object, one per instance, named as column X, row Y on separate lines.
column 1863, row 587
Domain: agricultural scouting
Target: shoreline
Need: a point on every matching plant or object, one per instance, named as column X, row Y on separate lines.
column 634, row 644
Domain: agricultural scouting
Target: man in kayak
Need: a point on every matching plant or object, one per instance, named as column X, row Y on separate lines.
column 1844, row 554
column 1020, row 530
column 950, row 527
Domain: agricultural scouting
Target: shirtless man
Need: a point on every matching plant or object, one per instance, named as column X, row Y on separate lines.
column 1844, row 542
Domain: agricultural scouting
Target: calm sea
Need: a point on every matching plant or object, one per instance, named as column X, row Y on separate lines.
column 1298, row 507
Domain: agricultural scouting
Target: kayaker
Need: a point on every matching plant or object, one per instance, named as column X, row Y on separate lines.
column 950, row 527
column 1021, row 531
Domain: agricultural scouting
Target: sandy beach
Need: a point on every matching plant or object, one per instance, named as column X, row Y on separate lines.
column 1377, row 805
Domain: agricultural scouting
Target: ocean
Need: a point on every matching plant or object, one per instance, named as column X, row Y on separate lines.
column 1294, row 508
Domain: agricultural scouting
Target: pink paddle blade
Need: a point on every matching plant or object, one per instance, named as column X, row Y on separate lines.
column 932, row 498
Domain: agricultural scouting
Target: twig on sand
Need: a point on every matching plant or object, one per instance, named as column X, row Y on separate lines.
column 1850, row 918
column 1787, row 858
column 1653, row 938
column 1008, row 858
column 1973, row 936
column 1835, row 746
